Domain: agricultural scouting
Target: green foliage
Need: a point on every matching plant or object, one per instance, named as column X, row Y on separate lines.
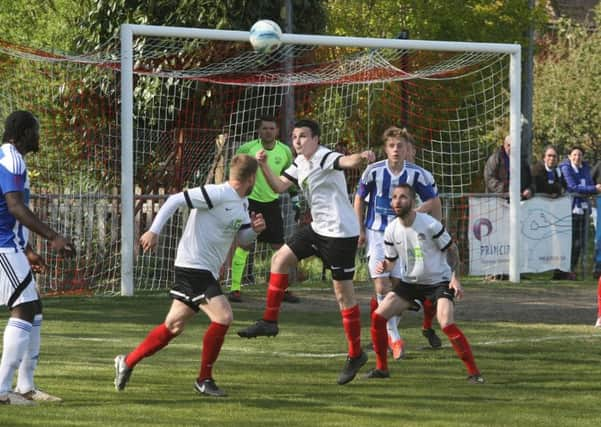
column 103, row 21
column 52, row 24
column 461, row 20
column 567, row 108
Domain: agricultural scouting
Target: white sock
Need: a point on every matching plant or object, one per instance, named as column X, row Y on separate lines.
column 391, row 325
column 27, row 367
column 15, row 343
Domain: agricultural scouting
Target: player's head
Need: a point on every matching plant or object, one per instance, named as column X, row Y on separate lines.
column 397, row 142
column 243, row 168
column 268, row 129
column 403, row 200
column 576, row 155
column 22, row 129
column 550, row 156
column 305, row 137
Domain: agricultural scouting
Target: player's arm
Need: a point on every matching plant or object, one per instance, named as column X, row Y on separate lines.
column 150, row 239
column 390, row 253
column 248, row 232
column 359, row 207
column 37, row 263
column 279, row 184
column 453, row 260
column 17, row 207
column 354, row 161
column 433, row 207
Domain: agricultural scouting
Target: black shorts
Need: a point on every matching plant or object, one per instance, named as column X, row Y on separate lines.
column 272, row 214
column 337, row 253
column 194, row 287
column 411, row 291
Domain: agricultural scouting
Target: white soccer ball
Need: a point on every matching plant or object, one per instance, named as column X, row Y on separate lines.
column 265, row 36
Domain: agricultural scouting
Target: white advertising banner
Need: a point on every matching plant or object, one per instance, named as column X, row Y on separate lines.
column 545, row 235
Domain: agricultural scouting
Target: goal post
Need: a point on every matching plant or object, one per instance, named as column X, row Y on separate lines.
column 128, row 32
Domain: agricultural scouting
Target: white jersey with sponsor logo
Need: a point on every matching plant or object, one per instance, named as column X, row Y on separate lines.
column 324, row 186
column 217, row 213
column 420, row 249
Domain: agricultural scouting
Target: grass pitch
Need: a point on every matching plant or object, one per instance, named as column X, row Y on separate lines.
column 534, row 343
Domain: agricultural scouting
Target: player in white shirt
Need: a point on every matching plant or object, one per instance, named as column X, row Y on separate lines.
column 429, row 258
column 332, row 235
column 18, row 291
column 218, row 215
column 375, row 192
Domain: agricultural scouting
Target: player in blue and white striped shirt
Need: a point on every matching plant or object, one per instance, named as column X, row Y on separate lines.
column 375, row 189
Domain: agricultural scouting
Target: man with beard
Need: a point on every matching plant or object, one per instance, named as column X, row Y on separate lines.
column 429, row 259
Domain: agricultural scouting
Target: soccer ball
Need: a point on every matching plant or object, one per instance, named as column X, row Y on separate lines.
column 265, row 36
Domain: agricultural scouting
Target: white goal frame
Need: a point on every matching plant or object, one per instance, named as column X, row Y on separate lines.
column 127, row 152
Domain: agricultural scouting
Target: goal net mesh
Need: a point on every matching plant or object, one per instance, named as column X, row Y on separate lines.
column 197, row 101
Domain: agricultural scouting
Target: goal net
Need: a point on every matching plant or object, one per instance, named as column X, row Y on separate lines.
column 109, row 161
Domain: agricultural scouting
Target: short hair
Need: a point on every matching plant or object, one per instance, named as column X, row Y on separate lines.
column 265, row 118
column 394, row 132
column 408, row 187
column 17, row 123
column 576, row 147
column 308, row 123
column 242, row 167
column 550, row 147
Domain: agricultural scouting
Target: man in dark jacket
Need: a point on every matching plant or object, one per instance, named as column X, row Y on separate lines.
column 496, row 172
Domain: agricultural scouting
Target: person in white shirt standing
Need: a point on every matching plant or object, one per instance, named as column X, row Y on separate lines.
column 429, row 259
column 376, row 186
column 218, row 215
column 332, row 235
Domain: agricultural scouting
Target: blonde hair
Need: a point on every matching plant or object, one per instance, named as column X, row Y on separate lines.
column 242, row 167
column 394, row 132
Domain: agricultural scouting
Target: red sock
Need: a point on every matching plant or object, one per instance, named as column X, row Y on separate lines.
column 373, row 304
column 351, row 321
column 429, row 312
column 278, row 283
column 462, row 348
column 211, row 346
column 599, row 298
column 379, row 339
column 158, row 338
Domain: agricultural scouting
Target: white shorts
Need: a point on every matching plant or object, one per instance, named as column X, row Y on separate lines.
column 374, row 250
column 17, row 285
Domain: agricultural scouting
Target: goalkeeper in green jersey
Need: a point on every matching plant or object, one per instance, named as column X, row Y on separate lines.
column 263, row 200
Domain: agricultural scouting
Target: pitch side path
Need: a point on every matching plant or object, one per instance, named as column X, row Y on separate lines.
column 534, row 343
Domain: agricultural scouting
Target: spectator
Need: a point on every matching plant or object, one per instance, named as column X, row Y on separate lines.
column 596, row 174
column 548, row 180
column 577, row 174
column 496, row 178
column 546, row 175
column 496, row 172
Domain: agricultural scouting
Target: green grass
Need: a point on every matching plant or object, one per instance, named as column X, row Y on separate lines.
column 538, row 374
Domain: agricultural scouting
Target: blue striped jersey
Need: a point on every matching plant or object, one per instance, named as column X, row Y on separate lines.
column 377, row 183
column 13, row 177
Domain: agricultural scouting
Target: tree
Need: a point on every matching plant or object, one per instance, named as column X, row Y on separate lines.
column 567, row 108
